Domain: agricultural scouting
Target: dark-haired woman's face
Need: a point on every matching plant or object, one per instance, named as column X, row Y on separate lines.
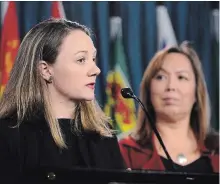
column 173, row 88
column 75, row 70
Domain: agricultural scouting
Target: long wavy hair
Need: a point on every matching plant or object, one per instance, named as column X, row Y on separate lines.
column 26, row 91
column 200, row 115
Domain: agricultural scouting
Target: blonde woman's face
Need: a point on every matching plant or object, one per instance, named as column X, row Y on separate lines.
column 75, row 70
column 173, row 87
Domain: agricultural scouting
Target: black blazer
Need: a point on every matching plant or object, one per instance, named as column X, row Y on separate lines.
column 31, row 146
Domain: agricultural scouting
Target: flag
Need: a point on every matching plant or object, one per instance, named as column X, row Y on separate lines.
column 57, row 10
column 122, row 111
column 9, row 41
column 165, row 32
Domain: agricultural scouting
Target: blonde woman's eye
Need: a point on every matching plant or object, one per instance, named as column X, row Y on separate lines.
column 82, row 60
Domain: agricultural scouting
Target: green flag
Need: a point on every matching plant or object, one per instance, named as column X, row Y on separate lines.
column 122, row 111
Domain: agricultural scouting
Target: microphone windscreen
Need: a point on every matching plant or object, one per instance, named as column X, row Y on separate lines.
column 127, row 93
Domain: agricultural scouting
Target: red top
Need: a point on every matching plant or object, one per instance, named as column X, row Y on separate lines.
column 137, row 157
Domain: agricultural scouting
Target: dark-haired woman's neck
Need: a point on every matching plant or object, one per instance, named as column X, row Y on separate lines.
column 174, row 130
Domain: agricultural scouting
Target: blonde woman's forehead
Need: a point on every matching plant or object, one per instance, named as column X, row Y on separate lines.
column 78, row 41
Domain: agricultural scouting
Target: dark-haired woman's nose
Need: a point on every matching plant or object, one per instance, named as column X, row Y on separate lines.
column 171, row 84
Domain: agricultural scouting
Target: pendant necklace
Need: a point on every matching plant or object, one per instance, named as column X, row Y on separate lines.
column 181, row 159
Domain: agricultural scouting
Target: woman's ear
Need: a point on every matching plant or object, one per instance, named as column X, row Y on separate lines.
column 45, row 71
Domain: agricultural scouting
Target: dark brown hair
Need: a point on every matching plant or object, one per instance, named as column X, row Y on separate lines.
column 200, row 115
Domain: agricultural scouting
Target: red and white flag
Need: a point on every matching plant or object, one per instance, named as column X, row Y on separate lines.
column 10, row 41
column 57, row 10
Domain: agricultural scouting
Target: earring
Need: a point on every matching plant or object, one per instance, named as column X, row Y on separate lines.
column 50, row 79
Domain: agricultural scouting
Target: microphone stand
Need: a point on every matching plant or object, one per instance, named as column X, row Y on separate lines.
column 127, row 93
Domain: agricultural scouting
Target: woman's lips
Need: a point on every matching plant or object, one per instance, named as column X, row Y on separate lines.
column 91, row 85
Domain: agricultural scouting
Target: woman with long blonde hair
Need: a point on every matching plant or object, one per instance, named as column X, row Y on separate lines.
column 48, row 112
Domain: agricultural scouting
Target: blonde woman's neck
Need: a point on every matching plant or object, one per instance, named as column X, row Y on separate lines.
column 61, row 106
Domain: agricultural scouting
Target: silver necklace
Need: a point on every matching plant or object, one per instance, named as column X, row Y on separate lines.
column 181, row 159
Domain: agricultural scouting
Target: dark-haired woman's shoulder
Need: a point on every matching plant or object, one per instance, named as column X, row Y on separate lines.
column 212, row 149
column 212, row 142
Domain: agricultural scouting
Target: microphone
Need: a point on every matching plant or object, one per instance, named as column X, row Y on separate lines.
column 128, row 93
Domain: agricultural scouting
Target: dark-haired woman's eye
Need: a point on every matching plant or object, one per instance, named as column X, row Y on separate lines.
column 181, row 77
column 160, row 77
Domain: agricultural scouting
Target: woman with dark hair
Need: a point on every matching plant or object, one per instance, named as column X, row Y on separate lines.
column 49, row 115
column 174, row 91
